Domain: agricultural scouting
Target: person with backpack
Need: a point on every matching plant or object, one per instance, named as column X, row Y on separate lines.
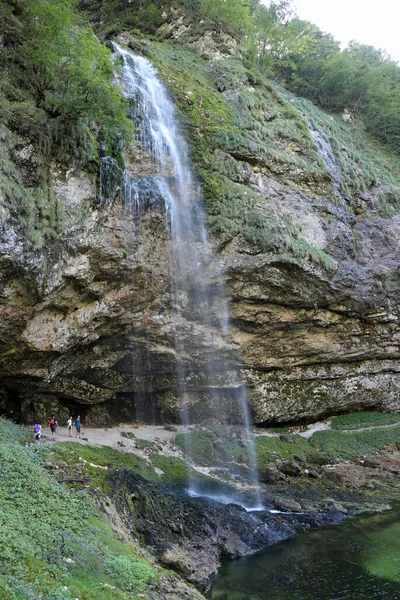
column 53, row 426
column 37, row 430
column 78, row 426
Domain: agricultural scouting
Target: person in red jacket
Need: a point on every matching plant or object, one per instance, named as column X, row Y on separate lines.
column 53, row 426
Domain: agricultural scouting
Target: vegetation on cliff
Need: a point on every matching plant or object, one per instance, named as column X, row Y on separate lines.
column 215, row 57
column 361, row 79
column 57, row 99
column 73, row 517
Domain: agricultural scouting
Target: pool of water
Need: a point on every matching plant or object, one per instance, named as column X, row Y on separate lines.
column 358, row 559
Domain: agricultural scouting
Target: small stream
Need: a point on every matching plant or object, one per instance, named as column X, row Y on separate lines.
column 358, row 559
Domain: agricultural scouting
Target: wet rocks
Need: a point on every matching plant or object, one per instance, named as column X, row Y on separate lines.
column 197, row 534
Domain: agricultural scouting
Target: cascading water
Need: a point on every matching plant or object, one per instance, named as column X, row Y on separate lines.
column 193, row 300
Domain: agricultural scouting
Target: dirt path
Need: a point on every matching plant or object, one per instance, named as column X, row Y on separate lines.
column 113, row 438
column 161, row 437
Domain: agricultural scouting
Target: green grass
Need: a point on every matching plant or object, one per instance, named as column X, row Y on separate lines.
column 271, row 449
column 211, row 448
column 43, row 523
column 364, row 419
column 175, row 471
column 347, row 445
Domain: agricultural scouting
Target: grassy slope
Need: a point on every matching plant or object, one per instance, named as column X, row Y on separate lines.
column 44, row 523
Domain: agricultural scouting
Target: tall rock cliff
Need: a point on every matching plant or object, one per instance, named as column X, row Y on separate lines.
column 305, row 228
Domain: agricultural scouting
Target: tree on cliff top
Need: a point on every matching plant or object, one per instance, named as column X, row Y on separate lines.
column 56, row 67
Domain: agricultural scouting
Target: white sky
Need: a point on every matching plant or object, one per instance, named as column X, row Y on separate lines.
column 376, row 23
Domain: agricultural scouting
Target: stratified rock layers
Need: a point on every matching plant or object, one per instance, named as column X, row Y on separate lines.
column 88, row 323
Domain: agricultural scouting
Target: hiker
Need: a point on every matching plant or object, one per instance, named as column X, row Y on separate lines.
column 37, row 430
column 69, row 425
column 53, row 426
column 78, row 426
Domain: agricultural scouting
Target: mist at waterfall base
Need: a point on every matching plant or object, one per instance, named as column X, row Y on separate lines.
column 203, row 304
column 357, row 559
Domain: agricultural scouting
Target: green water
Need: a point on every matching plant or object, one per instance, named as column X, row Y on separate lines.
column 358, row 559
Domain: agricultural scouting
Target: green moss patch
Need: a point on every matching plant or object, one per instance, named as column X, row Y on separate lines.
column 174, row 471
column 210, row 448
column 271, row 449
column 363, row 161
column 235, row 121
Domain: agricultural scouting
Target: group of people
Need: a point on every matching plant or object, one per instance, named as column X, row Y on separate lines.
column 37, row 428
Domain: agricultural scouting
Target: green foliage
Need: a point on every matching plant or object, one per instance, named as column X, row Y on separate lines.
column 131, row 573
column 174, row 471
column 348, row 444
column 233, row 118
column 364, row 419
column 364, row 162
column 232, row 16
column 213, row 447
column 105, row 457
column 365, row 81
column 270, row 449
column 68, row 78
column 43, row 523
column 57, row 97
column 11, row 431
column 360, row 78
column 113, row 16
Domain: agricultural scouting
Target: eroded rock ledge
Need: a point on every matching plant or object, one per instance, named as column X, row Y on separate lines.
column 88, row 323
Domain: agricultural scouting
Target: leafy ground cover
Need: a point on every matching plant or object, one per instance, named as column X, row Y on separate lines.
column 235, row 118
column 363, row 161
column 54, row 544
column 271, row 449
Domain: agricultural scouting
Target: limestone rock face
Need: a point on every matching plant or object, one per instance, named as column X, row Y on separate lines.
column 88, row 323
column 317, row 341
column 65, row 307
column 90, row 327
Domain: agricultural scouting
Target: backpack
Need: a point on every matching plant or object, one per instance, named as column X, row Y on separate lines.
column 52, row 421
column 36, row 428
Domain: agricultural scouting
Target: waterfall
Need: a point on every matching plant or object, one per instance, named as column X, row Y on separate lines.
column 326, row 152
column 200, row 308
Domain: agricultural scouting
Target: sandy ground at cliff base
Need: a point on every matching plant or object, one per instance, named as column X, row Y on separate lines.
column 157, row 434
column 110, row 436
column 113, row 436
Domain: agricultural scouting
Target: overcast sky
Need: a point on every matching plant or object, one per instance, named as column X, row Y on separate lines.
column 376, row 23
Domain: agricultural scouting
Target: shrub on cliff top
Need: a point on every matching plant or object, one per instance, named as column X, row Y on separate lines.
column 66, row 77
